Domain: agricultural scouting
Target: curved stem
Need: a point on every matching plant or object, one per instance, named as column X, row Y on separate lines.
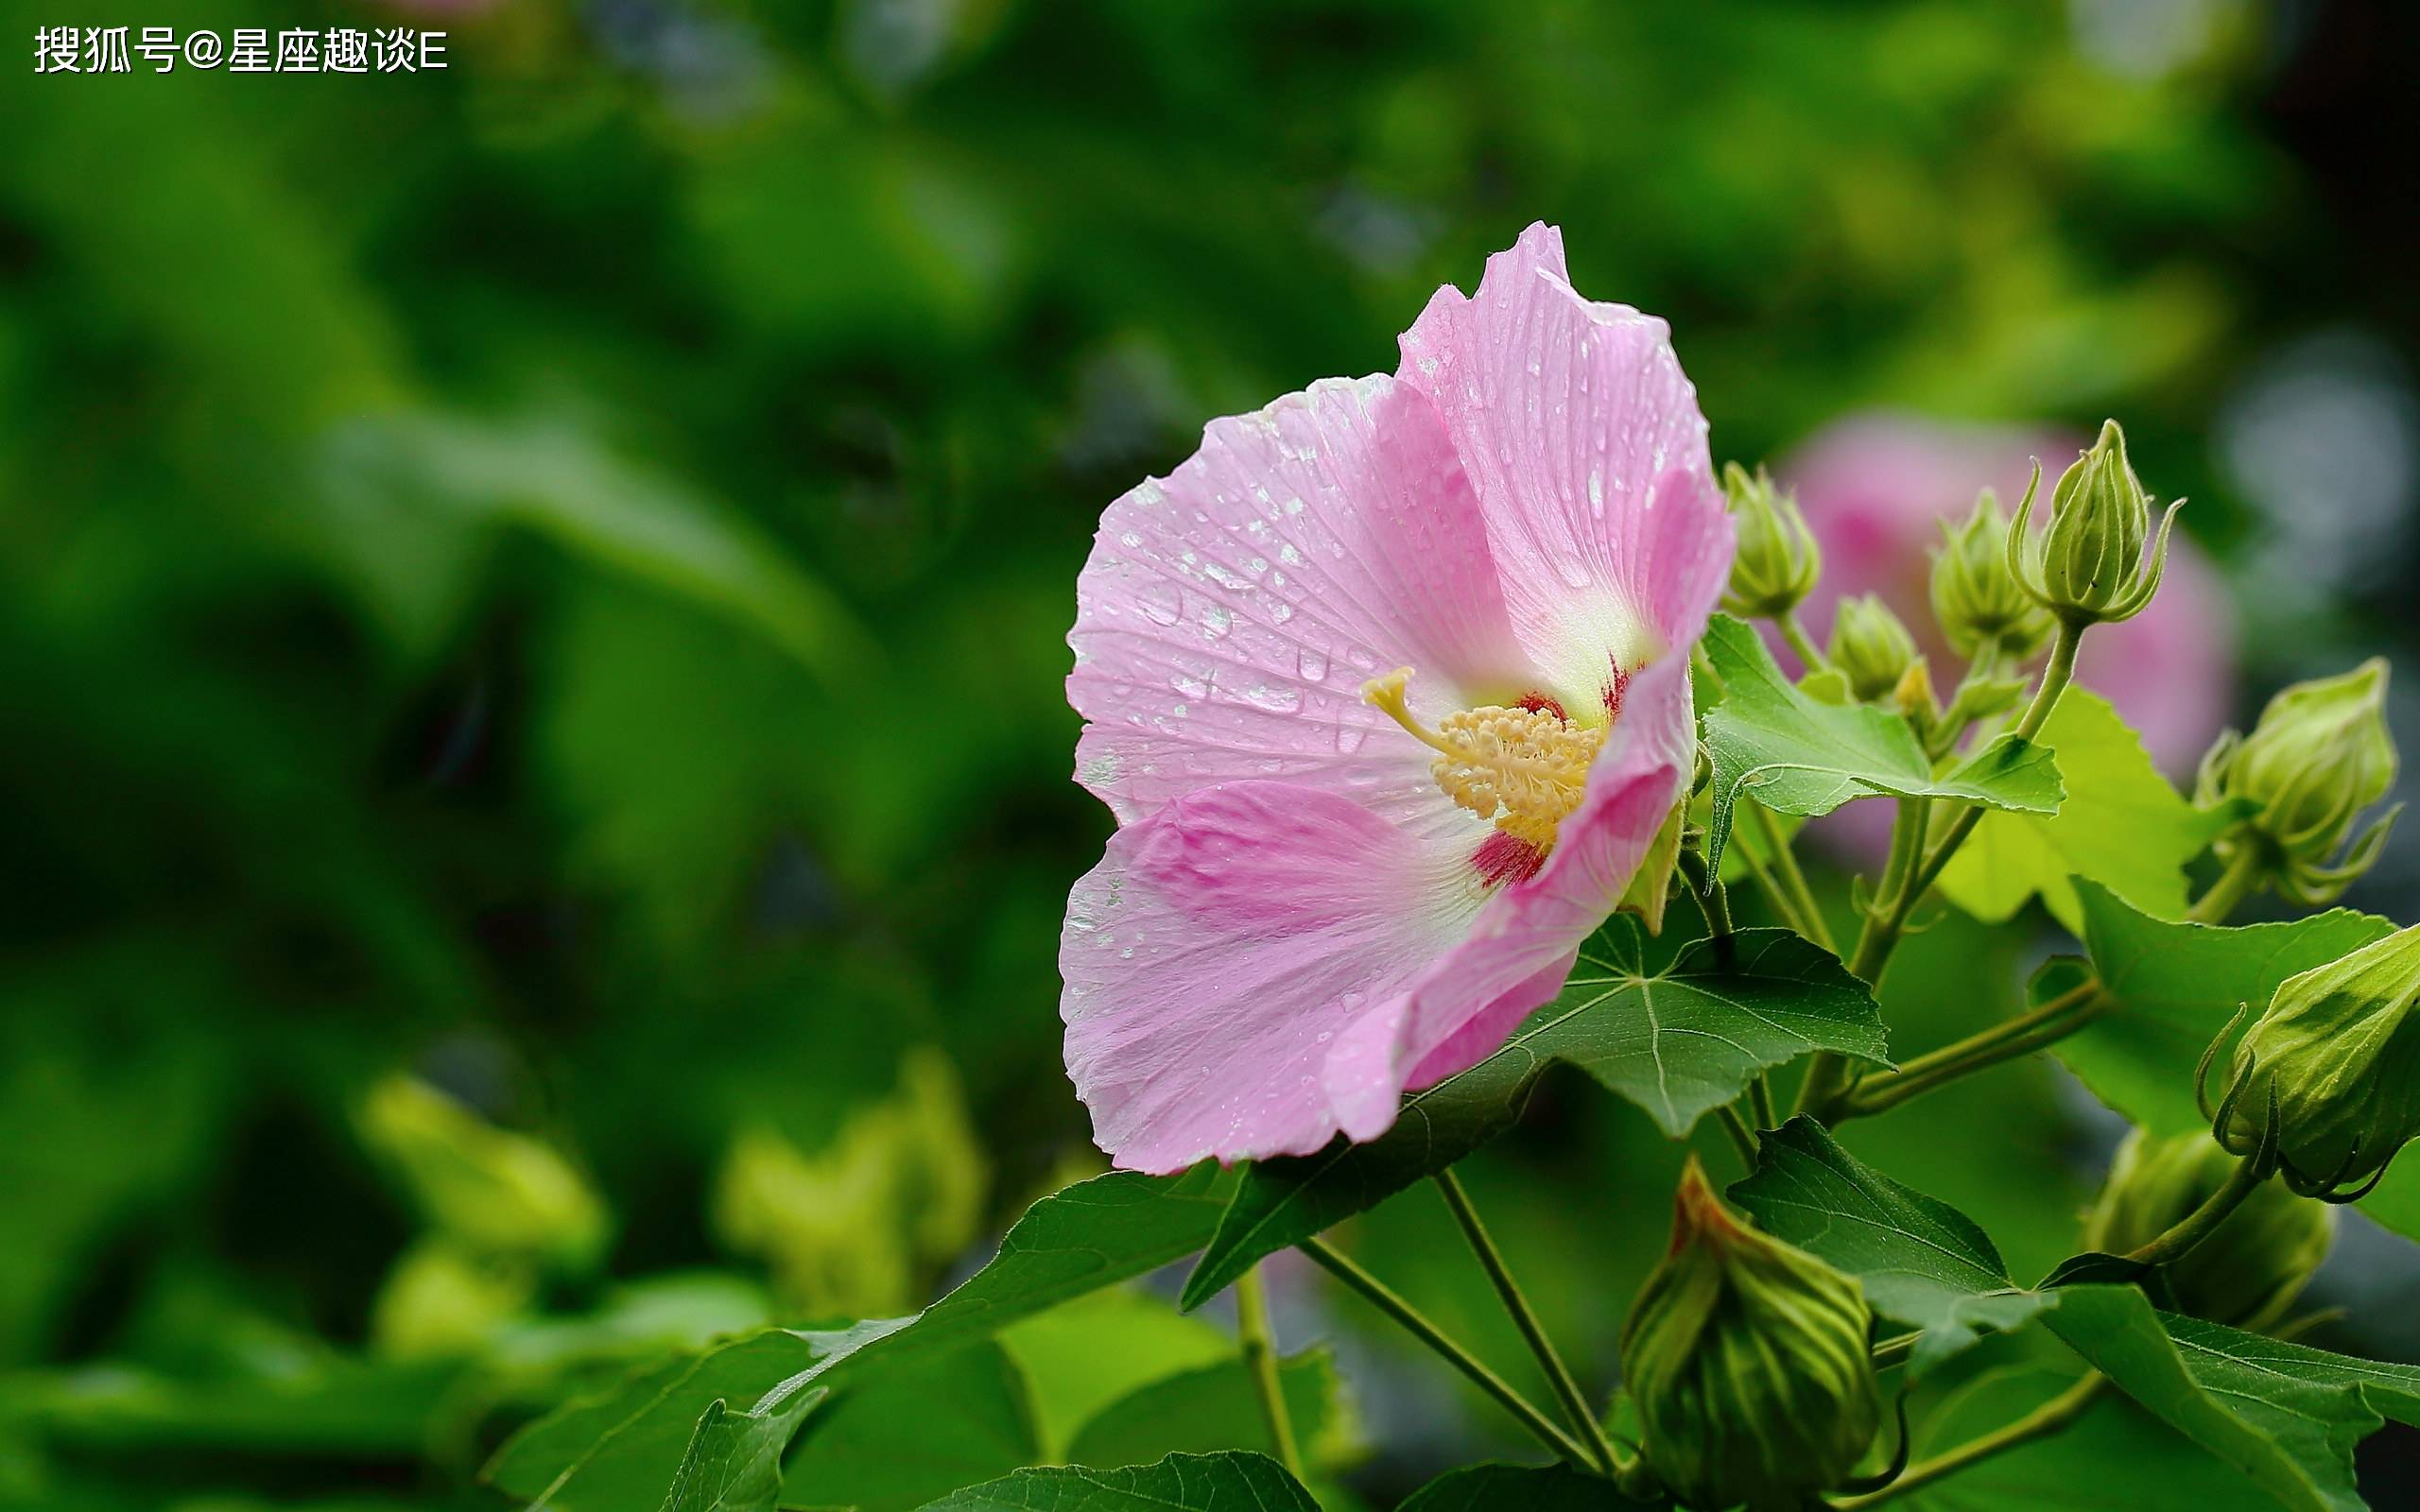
column 1826, row 1071
column 1713, row 900
column 2201, row 1222
column 1884, row 926
column 1259, row 1348
column 1744, row 1138
column 2019, row 1036
column 1895, row 1350
column 1810, row 656
column 1566, row 1390
column 2241, row 878
column 1810, row 912
column 2041, row 1422
column 1774, row 898
column 1984, row 666
column 1379, row 1295
column 2055, row 677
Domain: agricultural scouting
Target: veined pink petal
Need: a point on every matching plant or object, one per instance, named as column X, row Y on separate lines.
column 1230, row 612
column 1296, row 923
column 1520, row 948
column 1586, row 443
column 1222, row 945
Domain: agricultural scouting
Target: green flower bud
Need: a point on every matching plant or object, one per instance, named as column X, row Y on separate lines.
column 2339, row 1054
column 2320, row 755
column 2251, row 1267
column 1749, row 1364
column 2089, row 565
column 1975, row 600
column 1778, row 563
column 1871, row 647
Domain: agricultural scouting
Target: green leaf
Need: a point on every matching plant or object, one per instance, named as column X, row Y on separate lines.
column 2238, row 1363
column 2176, row 985
column 917, row 1432
column 734, row 1462
column 1229, row 1482
column 2288, row 1425
column 551, row 476
column 2113, row 1457
column 1677, row 1042
column 1218, row 1406
column 1082, row 1355
column 1922, row 1262
column 1514, row 1489
column 617, row 1450
column 1795, row 755
column 2122, row 826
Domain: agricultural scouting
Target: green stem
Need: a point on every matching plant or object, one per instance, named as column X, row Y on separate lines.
column 1827, row 1071
column 1810, row 912
column 1760, row 1101
column 1259, row 1348
column 1566, row 1390
column 2041, row 1422
column 1884, row 926
column 1774, row 898
column 2019, row 1036
column 1955, row 719
column 1713, row 900
column 2055, row 677
column 1895, row 1350
column 1810, row 655
column 2201, row 1222
column 1744, row 1138
column 2241, row 878
column 1379, row 1295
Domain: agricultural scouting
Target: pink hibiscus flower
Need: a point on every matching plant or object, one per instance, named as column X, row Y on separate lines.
column 1387, row 686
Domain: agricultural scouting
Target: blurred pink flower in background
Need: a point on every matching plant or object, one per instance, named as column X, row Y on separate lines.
column 1871, row 487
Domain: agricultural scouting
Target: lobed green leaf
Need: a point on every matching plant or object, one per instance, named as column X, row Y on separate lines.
column 2122, row 826
column 1794, row 754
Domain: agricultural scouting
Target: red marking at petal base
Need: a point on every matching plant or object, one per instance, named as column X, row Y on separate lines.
column 1614, row 691
column 1501, row 858
column 1538, row 703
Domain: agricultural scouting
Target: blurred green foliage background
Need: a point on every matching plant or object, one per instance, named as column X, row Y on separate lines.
column 537, row 780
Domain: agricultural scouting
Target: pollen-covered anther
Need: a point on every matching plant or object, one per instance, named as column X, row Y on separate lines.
column 1525, row 769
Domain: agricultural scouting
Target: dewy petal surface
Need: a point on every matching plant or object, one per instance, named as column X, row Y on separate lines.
column 1230, row 612
column 1586, row 443
column 1296, row 924
column 1222, row 945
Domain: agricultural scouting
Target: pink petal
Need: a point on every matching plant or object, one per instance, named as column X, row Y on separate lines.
column 1230, row 613
column 1583, row 438
column 1219, row 948
column 1520, row 948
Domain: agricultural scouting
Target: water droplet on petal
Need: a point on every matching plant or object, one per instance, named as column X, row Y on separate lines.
column 1163, row 601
